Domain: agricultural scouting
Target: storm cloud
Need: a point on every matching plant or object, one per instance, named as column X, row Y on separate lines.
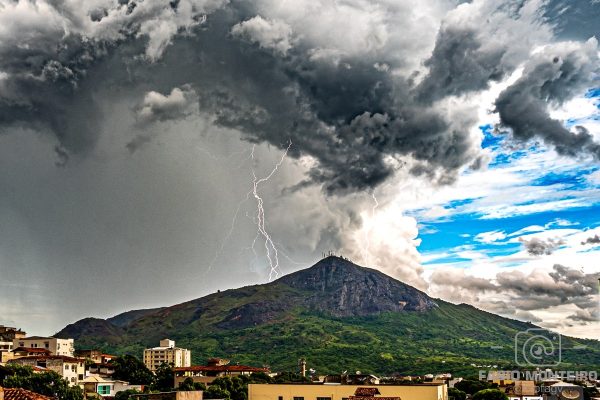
column 526, row 292
column 592, row 240
column 540, row 247
column 357, row 108
column 470, row 55
column 555, row 74
column 354, row 112
column 154, row 109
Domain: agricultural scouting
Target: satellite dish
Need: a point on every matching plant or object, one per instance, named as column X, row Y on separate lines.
column 570, row 394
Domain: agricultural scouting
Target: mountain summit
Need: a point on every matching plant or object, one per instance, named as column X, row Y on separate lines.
column 338, row 315
column 342, row 288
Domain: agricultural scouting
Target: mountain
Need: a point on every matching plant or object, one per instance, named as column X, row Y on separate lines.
column 126, row 318
column 337, row 315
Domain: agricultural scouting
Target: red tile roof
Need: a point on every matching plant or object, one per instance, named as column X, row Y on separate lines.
column 373, row 398
column 222, row 368
column 32, row 350
column 23, row 394
column 366, row 391
column 49, row 357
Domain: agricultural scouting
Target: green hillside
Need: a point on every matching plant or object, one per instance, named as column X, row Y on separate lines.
column 340, row 317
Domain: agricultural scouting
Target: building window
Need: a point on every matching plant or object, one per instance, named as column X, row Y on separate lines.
column 103, row 389
column 298, row 398
column 280, row 398
column 323, row 398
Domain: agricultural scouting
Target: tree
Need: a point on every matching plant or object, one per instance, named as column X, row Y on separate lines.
column 216, row 392
column 188, row 385
column 48, row 383
column 199, row 386
column 260, row 377
column 130, row 369
column 165, row 378
column 456, row 394
column 490, row 394
column 124, row 394
column 237, row 387
column 471, row 386
column 286, row 377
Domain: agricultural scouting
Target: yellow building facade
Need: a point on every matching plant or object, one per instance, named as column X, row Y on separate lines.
column 167, row 353
column 426, row 391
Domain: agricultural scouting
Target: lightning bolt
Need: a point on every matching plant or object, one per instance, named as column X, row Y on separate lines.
column 230, row 232
column 270, row 248
column 227, row 158
column 366, row 252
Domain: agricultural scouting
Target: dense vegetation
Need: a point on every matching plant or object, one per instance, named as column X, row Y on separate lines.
column 271, row 325
column 228, row 388
column 490, row 394
column 48, row 383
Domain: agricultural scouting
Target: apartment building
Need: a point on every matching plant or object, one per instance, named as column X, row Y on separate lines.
column 167, row 353
column 7, row 335
column 57, row 347
column 71, row 369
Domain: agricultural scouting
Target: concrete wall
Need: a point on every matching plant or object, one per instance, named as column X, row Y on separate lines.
column 192, row 395
column 343, row 392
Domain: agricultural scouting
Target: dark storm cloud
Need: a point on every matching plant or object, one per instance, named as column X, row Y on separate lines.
column 348, row 114
column 476, row 45
column 592, row 240
column 556, row 74
column 49, row 91
column 534, row 291
column 459, row 64
column 540, row 247
column 537, row 291
column 51, row 62
column 450, row 277
column 352, row 112
column 591, row 315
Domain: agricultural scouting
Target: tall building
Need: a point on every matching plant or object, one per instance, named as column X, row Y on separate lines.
column 57, row 347
column 7, row 335
column 167, row 353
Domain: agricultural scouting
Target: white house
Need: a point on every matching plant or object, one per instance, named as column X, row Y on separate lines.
column 57, row 347
column 105, row 387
